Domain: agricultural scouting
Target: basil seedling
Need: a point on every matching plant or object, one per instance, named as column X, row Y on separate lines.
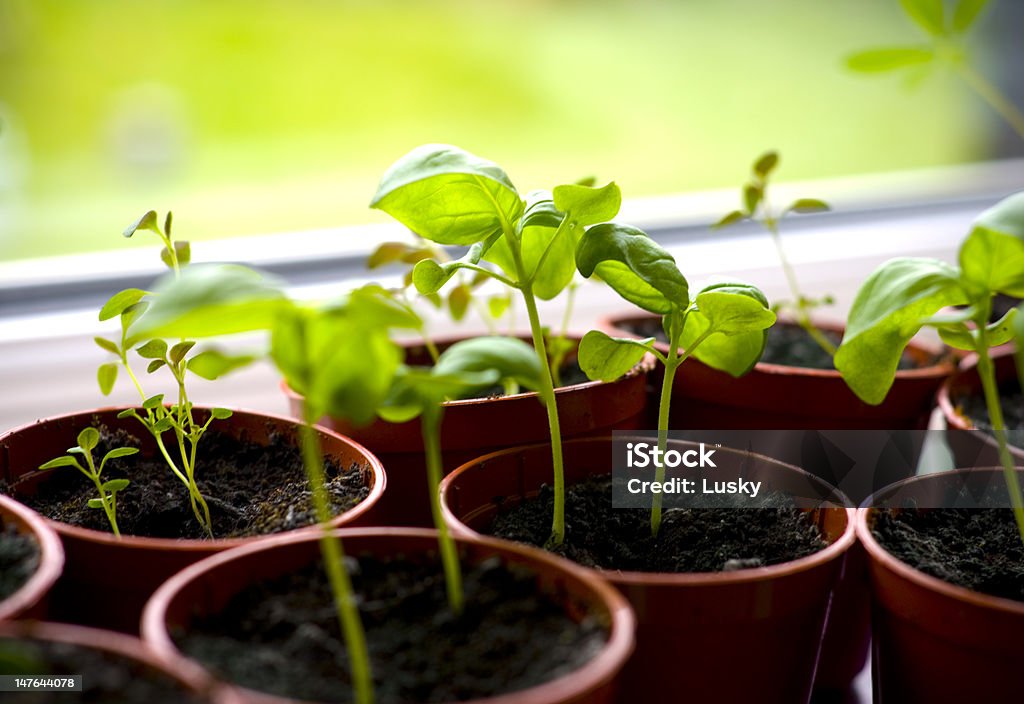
column 947, row 44
column 451, row 197
column 905, row 294
column 725, row 325
column 88, row 439
column 757, row 208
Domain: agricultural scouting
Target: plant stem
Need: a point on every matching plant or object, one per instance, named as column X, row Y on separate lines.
column 431, row 430
column 334, row 561
column 671, row 364
column 108, row 507
column 986, row 370
column 802, row 317
column 993, row 96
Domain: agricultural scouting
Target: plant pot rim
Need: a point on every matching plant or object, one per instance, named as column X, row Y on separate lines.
column 51, row 560
column 679, row 579
column 205, row 546
column 942, row 367
column 121, row 644
column 644, row 366
column 592, row 674
column 968, row 365
column 952, row 591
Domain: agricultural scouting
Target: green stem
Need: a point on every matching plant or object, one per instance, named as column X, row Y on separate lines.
column 108, row 508
column 334, row 561
column 993, row 96
column 803, row 318
column 431, row 430
column 986, row 370
column 431, row 347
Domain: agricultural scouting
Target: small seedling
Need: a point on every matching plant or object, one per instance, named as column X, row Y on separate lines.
column 451, row 197
column 725, row 325
column 946, row 45
column 905, row 294
column 88, row 439
column 756, row 207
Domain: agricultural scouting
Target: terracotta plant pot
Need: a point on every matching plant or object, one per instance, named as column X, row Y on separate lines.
column 30, row 601
column 743, row 636
column 934, row 641
column 101, row 568
column 191, row 679
column 970, row 447
column 474, row 427
column 207, row 586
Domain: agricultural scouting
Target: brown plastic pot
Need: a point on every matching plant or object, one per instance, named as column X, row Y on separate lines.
column 101, row 568
column 934, row 641
column 970, row 447
column 744, row 636
column 193, row 680
column 474, row 427
column 207, row 586
column 30, row 601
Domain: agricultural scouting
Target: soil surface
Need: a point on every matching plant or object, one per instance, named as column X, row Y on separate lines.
column 19, row 559
column 282, row 636
column 251, row 490
column 690, row 539
column 979, row 549
column 788, row 345
column 1012, row 401
column 570, row 374
column 105, row 677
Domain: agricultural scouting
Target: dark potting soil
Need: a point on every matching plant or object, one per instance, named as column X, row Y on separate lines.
column 19, row 559
column 788, row 345
column 979, row 549
column 690, row 539
column 282, row 636
column 570, row 374
column 251, row 490
column 106, row 677
column 1012, row 401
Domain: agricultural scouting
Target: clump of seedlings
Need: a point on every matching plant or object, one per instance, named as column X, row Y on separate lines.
column 88, row 439
column 908, row 293
column 756, row 207
column 725, row 325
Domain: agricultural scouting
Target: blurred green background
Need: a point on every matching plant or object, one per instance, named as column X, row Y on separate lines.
column 258, row 116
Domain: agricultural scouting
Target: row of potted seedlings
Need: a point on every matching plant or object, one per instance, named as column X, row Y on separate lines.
column 529, row 586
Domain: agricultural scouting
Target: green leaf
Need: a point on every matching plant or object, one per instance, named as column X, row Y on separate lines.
column 586, row 205
column 959, row 337
column 375, row 306
column 65, row 461
column 182, row 249
column 162, row 425
column 511, row 357
column 1019, row 343
column 752, row 195
column 154, row 349
column 209, row 300
column 127, row 413
column 540, row 211
column 391, row 252
column 606, row 358
column 131, row 314
column 966, row 14
column 154, row 365
column 212, row 363
column 107, row 345
column 766, row 163
column 927, row 14
column 886, row 313
column 634, row 265
column 458, row 301
column 807, row 205
column 1001, row 331
column 429, row 277
column 106, row 375
column 737, row 316
column 448, row 195
column 120, row 301
column 220, row 413
column 881, row 60
column 181, row 349
column 147, row 222
column 498, row 305
column 96, row 503
column 115, row 485
column 992, row 255
column 88, row 439
column 168, row 221
column 153, row 402
column 120, row 452
column 730, row 218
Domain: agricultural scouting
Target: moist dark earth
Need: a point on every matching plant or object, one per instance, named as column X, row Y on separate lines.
column 690, row 539
column 570, row 374
column 251, row 490
column 282, row 636
column 19, row 559
column 105, row 677
column 1012, row 401
column 979, row 549
column 788, row 345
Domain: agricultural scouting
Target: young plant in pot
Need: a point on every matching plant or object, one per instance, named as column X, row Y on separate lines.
column 694, row 574
column 450, row 197
column 389, row 599
column 947, row 581
column 160, row 479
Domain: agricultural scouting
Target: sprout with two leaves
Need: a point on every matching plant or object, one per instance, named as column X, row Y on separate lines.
column 725, row 325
